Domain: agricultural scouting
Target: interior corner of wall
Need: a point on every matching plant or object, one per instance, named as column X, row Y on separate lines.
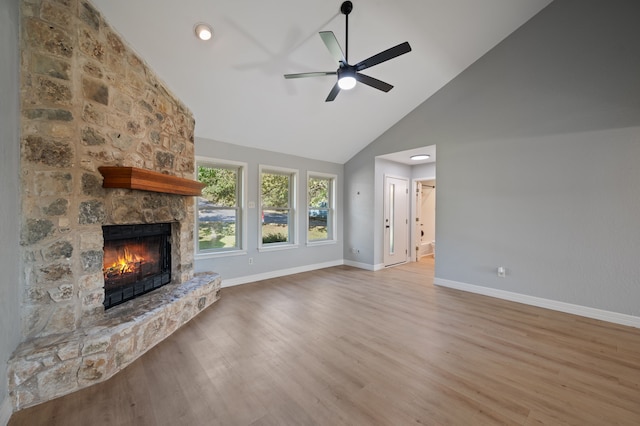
column 6, row 409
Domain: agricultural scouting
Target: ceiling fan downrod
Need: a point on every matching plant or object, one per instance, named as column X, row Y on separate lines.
column 346, row 9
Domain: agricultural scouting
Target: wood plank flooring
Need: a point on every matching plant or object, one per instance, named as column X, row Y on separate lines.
column 344, row 346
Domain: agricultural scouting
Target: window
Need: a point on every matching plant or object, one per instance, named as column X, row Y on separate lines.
column 220, row 213
column 320, row 207
column 277, row 202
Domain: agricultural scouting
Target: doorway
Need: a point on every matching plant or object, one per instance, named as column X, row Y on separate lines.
column 424, row 232
column 410, row 166
column 396, row 220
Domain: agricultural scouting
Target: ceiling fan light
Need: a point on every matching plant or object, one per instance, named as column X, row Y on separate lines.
column 347, row 83
column 419, row 157
column 203, row 31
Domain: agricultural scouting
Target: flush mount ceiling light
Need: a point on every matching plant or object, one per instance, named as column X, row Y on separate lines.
column 419, row 157
column 347, row 78
column 203, row 31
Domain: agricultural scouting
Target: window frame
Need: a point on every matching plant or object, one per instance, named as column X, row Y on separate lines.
column 293, row 208
column 331, row 208
column 241, row 209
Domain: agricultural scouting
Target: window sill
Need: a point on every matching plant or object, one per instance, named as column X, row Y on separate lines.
column 220, row 254
column 278, row 247
column 321, row 243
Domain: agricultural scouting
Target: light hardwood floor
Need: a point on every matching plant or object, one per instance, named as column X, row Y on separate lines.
column 343, row 346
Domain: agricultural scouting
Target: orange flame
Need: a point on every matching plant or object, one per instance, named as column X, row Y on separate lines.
column 125, row 263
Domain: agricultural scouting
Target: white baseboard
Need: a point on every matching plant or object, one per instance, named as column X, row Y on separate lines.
column 584, row 311
column 379, row 267
column 279, row 273
column 6, row 410
column 359, row 265
column 283, row 272
column 367, row 266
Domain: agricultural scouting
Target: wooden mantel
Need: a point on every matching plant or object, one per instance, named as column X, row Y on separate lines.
column 147, row 180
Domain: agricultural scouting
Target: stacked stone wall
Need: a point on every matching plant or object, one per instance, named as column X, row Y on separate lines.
column 88, row 101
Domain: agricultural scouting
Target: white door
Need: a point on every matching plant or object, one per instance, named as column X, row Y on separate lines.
column 396, row 220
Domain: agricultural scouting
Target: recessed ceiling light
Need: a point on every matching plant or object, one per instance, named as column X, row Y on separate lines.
column 203, row 31
column 419, row 157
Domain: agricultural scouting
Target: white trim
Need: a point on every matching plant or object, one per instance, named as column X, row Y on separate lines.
column 332, row 208
column 379, row 267
column 293, row 204
column 277, row 169
column 6, row 410
column 321, row 243
column 280, row 273
column 277, row 246
column 242, row 205
column 220, row 254
column 359, row 265
column 584, row 311
column 367, row 266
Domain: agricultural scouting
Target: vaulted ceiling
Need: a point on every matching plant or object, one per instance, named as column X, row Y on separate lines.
column 234, row 83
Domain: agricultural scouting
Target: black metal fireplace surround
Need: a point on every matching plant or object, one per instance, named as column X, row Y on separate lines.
column 137, row 259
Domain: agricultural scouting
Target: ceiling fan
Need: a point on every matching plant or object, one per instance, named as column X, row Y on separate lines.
column 348, row 74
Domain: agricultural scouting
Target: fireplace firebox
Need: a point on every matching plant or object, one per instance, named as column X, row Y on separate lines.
column 137, row 259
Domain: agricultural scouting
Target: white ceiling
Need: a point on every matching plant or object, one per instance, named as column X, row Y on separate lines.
column 234, row 83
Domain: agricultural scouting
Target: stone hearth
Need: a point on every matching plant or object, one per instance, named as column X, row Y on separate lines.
column 48, row 367
column 89, row 101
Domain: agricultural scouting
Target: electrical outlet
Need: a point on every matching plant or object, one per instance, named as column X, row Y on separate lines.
column 251, row 261
column 502, row 272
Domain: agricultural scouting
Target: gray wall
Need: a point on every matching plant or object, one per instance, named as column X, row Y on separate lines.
column 265, row 263
column 359, row 209
column 538, row 143
column 9, row 191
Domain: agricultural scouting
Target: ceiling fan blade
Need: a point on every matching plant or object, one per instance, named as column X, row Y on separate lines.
column 332, row 44
column 391, row 53
column 310, row 74
column 373, row 82
column 333, row 93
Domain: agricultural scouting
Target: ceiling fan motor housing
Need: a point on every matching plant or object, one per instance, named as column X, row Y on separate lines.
column 346, row 71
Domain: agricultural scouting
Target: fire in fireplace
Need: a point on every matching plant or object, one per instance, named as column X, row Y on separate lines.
column 137, row 259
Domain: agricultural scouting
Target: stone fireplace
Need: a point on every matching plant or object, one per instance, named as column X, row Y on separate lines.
column 88, row 101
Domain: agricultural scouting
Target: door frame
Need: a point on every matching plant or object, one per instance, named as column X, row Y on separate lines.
column 414, row 212
column 407, row 207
